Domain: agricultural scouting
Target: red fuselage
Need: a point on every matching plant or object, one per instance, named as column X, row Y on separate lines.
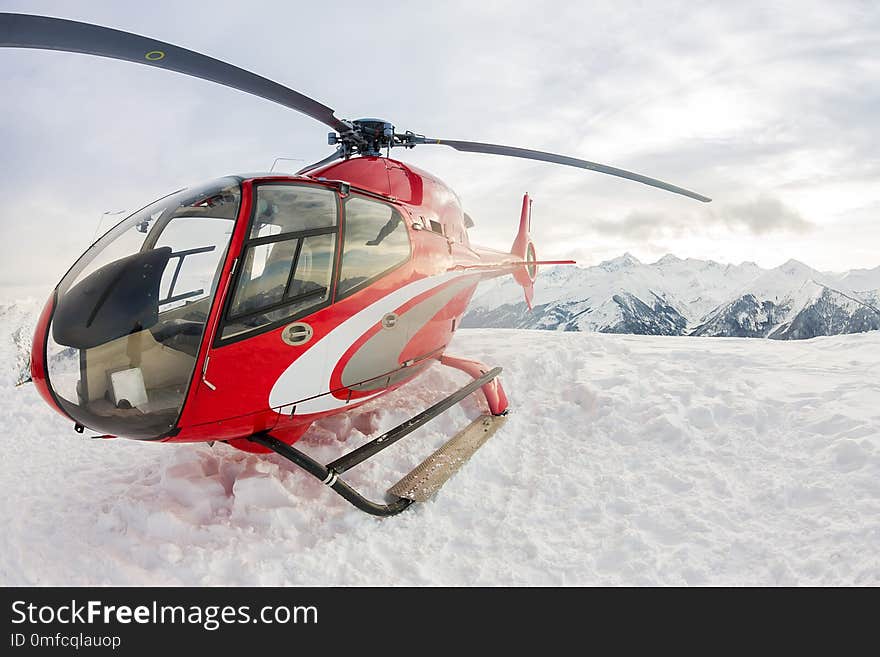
column 361, row 344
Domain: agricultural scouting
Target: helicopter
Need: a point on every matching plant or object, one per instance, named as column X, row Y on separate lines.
column 246, row 308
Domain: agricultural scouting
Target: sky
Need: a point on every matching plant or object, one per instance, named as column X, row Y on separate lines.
column 769, row 108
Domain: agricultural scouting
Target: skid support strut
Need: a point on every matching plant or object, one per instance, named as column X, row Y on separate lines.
column 331, row 478
column 492, row 389
column 330, row 474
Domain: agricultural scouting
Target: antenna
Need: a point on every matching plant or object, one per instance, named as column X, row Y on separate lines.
column 285, row 159
column 109, row 213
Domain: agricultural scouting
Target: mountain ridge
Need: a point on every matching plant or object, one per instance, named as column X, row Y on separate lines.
column 675, row 296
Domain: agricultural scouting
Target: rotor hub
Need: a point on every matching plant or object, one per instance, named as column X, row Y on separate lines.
column 366, row 137
column 370, row 136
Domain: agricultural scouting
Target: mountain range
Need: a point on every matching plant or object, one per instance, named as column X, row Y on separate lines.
column 675, row 296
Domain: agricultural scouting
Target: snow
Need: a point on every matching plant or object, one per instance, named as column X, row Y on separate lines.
column 625, row 460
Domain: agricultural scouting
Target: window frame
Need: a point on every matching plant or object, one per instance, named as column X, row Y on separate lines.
column 226, row 315
column 158, row 231
column 366, row 283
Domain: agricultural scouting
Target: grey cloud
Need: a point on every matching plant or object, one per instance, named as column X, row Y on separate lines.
column 640, row 226
column 760, row 216
column 763, row 215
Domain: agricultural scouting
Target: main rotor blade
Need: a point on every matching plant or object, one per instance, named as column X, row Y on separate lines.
column 43, row 32
column 496, row 149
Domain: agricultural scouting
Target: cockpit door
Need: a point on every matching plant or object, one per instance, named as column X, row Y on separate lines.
column 271, row 314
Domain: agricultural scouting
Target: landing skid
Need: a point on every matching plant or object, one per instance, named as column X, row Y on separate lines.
column 427, row 478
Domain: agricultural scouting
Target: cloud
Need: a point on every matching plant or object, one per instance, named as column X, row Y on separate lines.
column 764, row 215
column 760, row 216
column 641, row 226
column 768, row 109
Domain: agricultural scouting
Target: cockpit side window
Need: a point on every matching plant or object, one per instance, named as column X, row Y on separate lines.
column 287, row 263
column 376, row 241
column 287, row 209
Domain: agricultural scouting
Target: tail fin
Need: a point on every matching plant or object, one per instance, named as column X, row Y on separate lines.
column 523, row 264
column 524, row 249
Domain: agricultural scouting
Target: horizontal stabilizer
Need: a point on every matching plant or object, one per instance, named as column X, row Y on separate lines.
column 516, row 263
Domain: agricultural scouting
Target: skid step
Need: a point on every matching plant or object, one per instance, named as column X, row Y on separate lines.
column 427, row 477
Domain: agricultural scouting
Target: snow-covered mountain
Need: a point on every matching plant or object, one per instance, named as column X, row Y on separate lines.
column 17, row 319
column 795, row 302
column 687, row 297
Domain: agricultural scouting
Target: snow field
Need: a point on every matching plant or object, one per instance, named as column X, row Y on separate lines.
column 625, row 460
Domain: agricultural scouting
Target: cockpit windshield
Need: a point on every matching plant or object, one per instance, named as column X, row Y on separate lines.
column 131, row 313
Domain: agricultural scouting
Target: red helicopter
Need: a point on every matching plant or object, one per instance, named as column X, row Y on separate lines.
column 244, row 309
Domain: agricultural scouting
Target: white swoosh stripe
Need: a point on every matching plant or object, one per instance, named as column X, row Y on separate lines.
column 319, row 361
